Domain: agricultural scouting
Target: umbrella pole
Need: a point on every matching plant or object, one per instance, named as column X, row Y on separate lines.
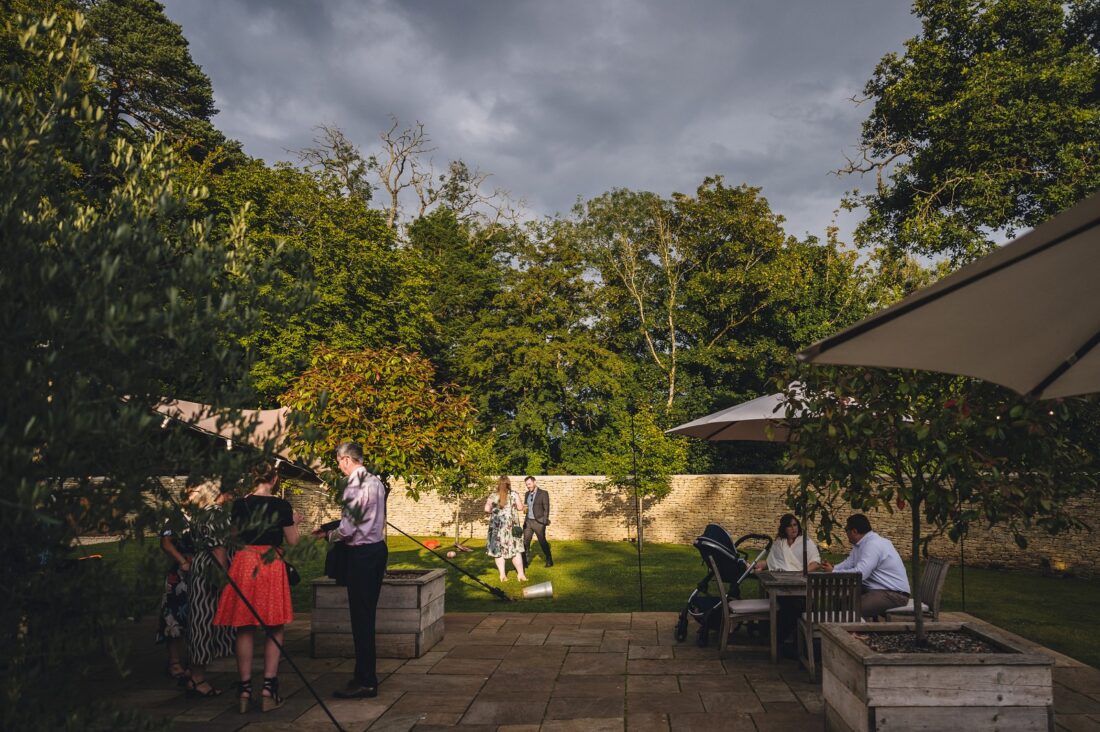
column 637, row 508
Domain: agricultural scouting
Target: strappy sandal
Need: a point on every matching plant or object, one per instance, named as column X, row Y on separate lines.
column 244, row 695
column 194, row 690
column 271, row 699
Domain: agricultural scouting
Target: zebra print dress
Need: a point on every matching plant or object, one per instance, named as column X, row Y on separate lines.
column 207, row 641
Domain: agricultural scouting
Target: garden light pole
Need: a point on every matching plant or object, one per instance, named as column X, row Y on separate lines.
column 637, row 505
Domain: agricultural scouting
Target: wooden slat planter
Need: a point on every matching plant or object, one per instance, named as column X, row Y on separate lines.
column 410, row 616
column 866, row 691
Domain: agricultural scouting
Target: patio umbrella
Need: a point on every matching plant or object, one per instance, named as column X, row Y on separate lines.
column 1026, row 316
column 758, row 420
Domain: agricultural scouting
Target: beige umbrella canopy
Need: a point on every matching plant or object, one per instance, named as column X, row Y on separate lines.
column 760, row 420
column 270, row 427
column 1026, row 316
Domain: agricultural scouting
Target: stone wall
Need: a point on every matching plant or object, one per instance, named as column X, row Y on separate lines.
column 743, row 504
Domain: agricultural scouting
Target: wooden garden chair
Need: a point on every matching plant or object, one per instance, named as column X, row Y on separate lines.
column 931, row 590
column 735, row 612
column 831, row 597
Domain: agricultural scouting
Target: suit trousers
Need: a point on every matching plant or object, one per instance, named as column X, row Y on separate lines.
column 366, row 570
column 535, row 528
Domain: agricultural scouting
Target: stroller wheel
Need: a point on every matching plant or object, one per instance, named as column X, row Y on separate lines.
column 682, row 625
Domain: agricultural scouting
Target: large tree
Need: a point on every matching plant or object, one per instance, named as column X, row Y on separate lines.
column 988, row 122
column 708, row 297
column 112, row 299
column 147, row 80
column 341, row 277
column 541, row 380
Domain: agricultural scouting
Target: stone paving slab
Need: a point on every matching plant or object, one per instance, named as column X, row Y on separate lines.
column 542, row 672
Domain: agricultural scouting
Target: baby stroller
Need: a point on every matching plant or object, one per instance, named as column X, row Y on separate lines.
column 734, row 566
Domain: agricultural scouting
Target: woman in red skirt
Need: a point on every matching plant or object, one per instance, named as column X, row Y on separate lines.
column 262, row 523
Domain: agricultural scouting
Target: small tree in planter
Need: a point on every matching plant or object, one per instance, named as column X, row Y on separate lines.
column 656, row 456
column 387, row 401
column 953, row 451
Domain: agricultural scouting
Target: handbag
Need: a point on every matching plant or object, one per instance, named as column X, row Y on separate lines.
column 292, row 576
column 517, row 531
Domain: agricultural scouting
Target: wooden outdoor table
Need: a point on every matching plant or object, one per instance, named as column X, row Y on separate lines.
column 776, row 585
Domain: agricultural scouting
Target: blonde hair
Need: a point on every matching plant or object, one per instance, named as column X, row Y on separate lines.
column 504, row 487
column 204, row 494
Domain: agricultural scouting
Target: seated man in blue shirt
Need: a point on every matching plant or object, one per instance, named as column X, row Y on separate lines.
column 885, row 584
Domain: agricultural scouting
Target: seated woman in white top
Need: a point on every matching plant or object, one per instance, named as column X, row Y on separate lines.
column 786, row 556
column 786, row 552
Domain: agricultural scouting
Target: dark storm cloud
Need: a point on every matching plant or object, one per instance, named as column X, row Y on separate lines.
column 563, row 99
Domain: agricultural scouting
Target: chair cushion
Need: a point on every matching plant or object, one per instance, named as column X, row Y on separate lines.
column 744, row 607
column 907, row 608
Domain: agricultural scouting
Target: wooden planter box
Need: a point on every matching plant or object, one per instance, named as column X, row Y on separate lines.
column 865, row 691
column 410, row 616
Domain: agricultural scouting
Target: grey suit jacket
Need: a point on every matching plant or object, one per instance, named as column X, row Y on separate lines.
column 540, row 512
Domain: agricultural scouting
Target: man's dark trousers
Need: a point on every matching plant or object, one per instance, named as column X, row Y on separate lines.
column 536, row 528
column 366, row 570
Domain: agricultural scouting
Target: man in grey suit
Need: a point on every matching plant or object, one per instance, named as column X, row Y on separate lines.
column 538, row 518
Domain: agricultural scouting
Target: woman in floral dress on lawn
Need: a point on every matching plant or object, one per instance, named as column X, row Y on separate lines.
column 505, row 529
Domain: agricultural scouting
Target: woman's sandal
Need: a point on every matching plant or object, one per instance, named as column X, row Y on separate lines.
column 271, row 698
column 195, row 689
column 244, row 695
column 175, row 670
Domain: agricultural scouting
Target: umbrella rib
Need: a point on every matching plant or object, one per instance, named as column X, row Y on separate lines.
column 1064, row 366
column 876, row 321
column 712, row 434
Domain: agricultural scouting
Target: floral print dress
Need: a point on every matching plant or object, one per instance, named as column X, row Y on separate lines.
column 502, row 539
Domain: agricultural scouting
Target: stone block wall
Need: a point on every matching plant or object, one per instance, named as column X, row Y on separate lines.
column 581, row 508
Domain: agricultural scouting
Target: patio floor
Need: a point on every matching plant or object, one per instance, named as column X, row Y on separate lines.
column 544, row 671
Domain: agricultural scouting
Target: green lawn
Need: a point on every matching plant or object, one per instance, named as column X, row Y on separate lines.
column 592, row 576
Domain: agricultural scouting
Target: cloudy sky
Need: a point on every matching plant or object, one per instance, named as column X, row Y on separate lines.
column 564, row 98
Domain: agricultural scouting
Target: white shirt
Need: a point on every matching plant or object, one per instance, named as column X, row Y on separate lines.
column 785, row 557
column 879, row 562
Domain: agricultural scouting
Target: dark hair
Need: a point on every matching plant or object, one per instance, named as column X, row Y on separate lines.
column 529, row 477
column 858, row 522
column 786, row 520
column 264, row 473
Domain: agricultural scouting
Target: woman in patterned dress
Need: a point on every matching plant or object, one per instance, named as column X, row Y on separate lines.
column 175, row 541
column 505, row 529
column 209, row 531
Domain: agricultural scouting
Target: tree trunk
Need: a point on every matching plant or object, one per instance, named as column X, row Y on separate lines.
column 918, row 614
column 458, row 505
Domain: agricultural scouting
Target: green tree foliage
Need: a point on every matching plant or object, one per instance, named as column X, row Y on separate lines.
column 341, row 280
column 387, row 400
column 989, row 121
column 147, row 81
column 464, row 269
column 956, row 452
column 110, row 296
column 541, row 380
column 709, row 297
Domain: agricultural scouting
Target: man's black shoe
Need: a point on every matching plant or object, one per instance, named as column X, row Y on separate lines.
column 356, row 692
column 549, row 564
